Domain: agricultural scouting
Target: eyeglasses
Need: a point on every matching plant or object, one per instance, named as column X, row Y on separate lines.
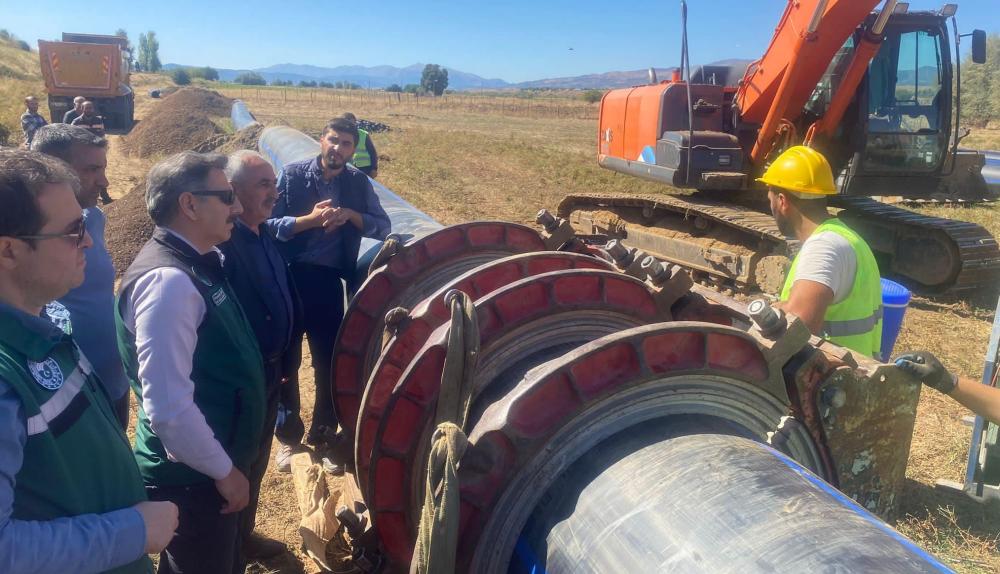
column 227, row 196
column 76, row 234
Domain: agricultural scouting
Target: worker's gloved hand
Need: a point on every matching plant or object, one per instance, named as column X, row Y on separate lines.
column 926, row 368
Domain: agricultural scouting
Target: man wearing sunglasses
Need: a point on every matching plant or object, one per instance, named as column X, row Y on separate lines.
column 91, row 305
column 71, row 496
column 193, row 362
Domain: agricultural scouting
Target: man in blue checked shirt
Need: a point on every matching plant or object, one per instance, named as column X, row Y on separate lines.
column 324, row 208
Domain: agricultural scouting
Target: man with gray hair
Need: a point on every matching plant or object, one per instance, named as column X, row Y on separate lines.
column 193, row 363
column 262, row 283
column 75, row 111
column 92, row 304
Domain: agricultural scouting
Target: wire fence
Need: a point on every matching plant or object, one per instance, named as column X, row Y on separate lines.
column 372, row 100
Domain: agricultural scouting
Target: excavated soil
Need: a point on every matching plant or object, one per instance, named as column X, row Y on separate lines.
column 182, row 121
column 246, row 138
column 128, row 227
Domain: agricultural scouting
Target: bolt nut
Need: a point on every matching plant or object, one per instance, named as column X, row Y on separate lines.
column 657, row 271
column 622, row 255
column 834, row 397
column 765, row 317
column 394, row 317
column 546, row 220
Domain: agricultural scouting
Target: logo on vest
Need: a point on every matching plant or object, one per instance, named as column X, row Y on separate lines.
column 47, row 374
column 219, row 297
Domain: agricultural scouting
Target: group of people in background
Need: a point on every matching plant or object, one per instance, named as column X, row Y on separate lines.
column 205, row 330
column 83, row 113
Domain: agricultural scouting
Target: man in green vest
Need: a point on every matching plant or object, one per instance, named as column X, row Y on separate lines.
column 193, row 362
column 833, row 284
column 71, row 497
column 365, row 156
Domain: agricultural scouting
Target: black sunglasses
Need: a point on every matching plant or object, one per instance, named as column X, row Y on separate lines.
column 76, row 234
column 227, row 196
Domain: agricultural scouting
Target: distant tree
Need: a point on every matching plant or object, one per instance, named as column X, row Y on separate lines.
column 280, row 82
column 250, row 79
column 980, row 85
column 181, row 77
column 205, row 72
column 24, row 45
column 592, row 96
column 122, row 33
column 325, row 85
column 148, row 58
column 434, row 79
column 412, row 89
column 394, row 88
column 307, row 84
column 5, row 35
column 353, row 86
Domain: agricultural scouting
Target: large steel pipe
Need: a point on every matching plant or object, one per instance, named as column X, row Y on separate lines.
column 666, row 498
column 241, row 116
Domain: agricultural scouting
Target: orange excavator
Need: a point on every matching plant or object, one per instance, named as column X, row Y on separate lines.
column 877, row 92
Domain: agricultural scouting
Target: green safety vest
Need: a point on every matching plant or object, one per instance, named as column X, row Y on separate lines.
column 855, row 322
column 227, row 371
column 361, row 156
column 77, row 460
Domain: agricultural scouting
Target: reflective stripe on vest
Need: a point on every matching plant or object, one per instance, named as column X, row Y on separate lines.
column 361, row 156
column 61, row 399
column 853, row 326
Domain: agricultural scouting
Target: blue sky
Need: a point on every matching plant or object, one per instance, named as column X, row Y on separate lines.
column 515, row 40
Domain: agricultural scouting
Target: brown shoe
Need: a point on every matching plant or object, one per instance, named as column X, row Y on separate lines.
column 259, row 547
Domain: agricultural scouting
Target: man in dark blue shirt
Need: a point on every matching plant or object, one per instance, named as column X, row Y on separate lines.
column 324, row 208
column 260, row 278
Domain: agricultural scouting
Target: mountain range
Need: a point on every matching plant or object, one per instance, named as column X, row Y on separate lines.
column 383, row 76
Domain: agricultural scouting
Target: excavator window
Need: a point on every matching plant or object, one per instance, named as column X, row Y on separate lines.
column 904, row 103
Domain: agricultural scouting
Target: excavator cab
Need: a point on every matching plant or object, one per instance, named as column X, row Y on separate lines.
column 897, row 138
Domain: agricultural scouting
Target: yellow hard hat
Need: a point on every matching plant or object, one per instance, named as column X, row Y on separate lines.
column 803, row 170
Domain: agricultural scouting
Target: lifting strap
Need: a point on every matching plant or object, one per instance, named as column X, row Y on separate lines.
column 437, row 537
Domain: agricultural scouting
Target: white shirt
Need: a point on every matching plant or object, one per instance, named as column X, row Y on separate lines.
column 164, row 312
column 828, row 259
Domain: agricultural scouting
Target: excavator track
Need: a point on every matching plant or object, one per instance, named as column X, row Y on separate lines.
column 932, row 255
column 741, row 247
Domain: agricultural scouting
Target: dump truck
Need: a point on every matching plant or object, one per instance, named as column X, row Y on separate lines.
column 93, row 66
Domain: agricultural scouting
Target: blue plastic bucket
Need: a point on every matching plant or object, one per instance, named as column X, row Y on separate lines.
column 895, row 298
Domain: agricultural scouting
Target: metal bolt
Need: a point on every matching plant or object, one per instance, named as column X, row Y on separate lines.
column 657, row 271
column 834, row 397
column 546, row 220
column 764, row 316
column 394, row 317
column 617, row 251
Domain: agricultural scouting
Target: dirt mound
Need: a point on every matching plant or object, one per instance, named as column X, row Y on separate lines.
column 180, row 122
column 246, row 138
column 128, row 227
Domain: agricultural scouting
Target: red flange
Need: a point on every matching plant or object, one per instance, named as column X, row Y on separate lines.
column 431, row 314
column 418, row 270
column 521, row 325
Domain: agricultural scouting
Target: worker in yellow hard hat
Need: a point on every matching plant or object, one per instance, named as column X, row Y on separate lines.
column 833, row 284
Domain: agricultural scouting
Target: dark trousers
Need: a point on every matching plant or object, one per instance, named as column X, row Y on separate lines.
column 206, row 542
column 120, row 408
column 322, row 293
column 248, row 516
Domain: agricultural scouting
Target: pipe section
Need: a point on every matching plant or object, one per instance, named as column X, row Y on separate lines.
column 241, row 116
column 706, row 503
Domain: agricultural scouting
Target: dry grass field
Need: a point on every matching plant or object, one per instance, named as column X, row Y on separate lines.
column 503, row 157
